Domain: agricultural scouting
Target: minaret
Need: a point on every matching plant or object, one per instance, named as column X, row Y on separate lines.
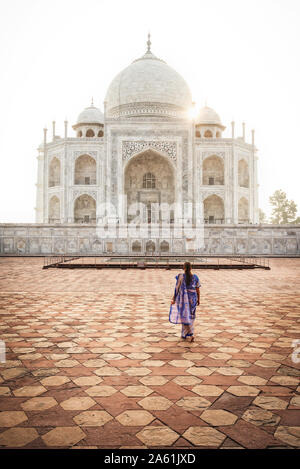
column 43, row 178
column 253, row 139
column 66, row 128
column 232, row 129
column 149, row 44
column 45, row 136
column 53, row 130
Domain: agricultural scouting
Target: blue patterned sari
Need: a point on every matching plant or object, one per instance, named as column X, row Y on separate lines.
column 183, row 311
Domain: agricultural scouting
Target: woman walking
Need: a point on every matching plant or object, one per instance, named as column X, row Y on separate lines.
column 186, row 298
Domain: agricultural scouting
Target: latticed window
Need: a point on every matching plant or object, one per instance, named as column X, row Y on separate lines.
column 149, row 181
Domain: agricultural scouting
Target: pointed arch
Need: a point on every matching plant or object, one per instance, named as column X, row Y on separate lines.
column 243, row 173
column 213, row 207
column 213, row 171
column 149, row 182
column 54, row 210
column 136, row 247
column 164, row 246
column 243, row 210
column 85, row 209
column 90, row 133
column 150, row 246
column 85, row 170
column 54, row 172
column 208, row 134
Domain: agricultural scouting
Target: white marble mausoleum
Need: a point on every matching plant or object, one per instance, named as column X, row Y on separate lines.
column 146, row 150
column 128, row 179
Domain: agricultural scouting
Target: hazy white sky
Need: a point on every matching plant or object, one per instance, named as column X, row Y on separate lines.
column 242, row 56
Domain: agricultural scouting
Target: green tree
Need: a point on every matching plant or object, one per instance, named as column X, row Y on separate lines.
column 296, row 221
column 262, row 216
column 283, row 210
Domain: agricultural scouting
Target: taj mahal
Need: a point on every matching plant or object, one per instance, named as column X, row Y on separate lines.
column 147, row 175
column 145, row 158
column 147, row 147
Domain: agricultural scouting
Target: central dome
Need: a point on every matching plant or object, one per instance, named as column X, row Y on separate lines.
column 148, row 87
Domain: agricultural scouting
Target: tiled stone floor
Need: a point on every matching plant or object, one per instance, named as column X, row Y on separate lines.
column 92, row 360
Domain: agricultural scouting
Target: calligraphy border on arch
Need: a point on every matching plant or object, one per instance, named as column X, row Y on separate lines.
column 78, row 192
column 130, row 148
column 91, row 153
column 243, row 156
column 209, row 153
column 207, row 193
column 57, row 155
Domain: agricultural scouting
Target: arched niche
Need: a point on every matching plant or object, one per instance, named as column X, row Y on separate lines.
column 164, row 246
column 213, row 207
column 54, row 210
column 85, row 170
column 213, row 171
column 243, row 210
column 208, row 134
column 85, row 209
column 150, row 247
column 54, row 172
column 90, row 133
column 136, row 247
column 243, row 173
column 149, row 179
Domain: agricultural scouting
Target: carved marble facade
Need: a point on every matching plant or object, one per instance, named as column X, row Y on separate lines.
column 70, row 167
column 145, row 159
column 80, row 239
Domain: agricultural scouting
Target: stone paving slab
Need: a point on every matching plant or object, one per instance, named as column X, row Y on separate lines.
column 92, row 361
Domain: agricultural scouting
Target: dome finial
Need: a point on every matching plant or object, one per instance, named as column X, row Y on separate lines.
column 92, row 102
column 149, row 43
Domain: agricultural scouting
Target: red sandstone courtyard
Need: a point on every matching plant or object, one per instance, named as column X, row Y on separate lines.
column 92, row 361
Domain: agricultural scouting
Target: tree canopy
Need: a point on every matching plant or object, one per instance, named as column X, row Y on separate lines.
column 283, row 210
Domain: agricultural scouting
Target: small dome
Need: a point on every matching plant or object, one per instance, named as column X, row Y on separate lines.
column 207, row 115
column 90, row 115
column 148, row 86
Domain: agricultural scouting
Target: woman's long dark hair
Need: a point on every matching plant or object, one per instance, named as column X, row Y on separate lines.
column 187, row 270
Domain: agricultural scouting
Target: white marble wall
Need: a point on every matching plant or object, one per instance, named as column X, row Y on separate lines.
column 123, row 140
column 43, row 239
column 67, row 151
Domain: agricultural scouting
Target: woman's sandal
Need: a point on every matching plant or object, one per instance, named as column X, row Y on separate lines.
column 192, row 339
